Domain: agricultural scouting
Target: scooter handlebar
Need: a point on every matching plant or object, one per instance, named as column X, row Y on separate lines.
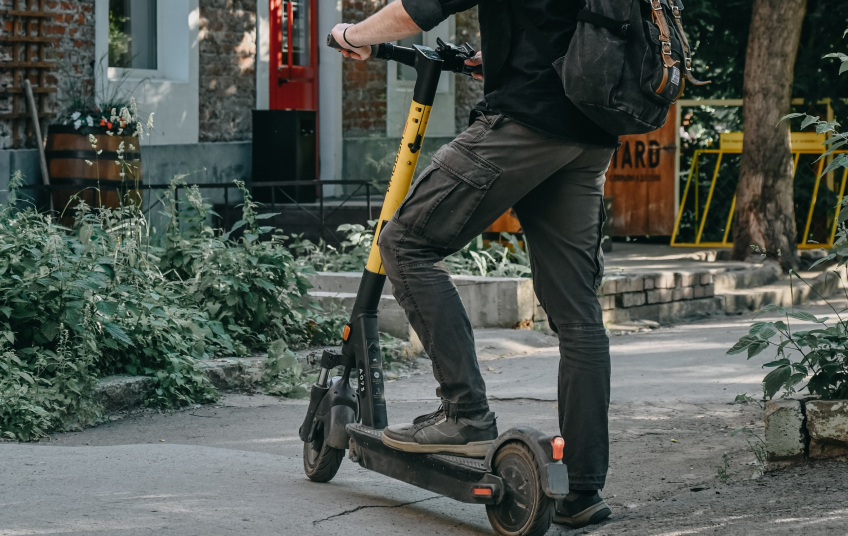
column 404, row 55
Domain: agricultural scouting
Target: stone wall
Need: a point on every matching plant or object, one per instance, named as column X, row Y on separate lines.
column 468, row 91
column 363, row 83
column 227, row 69
column 73, row 24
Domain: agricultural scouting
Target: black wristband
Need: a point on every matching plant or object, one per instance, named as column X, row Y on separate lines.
column 344, row 36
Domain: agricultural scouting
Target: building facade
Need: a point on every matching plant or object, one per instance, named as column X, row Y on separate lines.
column 202, row 66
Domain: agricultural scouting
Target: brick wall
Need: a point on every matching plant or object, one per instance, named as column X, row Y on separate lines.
column 73, row 24
column 363, row 83
column 227, row 69
column 468, row 91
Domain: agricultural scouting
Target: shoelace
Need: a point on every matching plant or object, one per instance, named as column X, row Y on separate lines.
column 427, row 417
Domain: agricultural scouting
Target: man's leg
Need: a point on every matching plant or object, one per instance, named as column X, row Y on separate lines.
column 562, row 219
column 472, row 181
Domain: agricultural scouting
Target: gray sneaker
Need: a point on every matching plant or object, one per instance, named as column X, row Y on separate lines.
column 436, row 432
column 581, row 509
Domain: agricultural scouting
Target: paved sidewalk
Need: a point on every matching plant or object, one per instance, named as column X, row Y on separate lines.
column 235, row 467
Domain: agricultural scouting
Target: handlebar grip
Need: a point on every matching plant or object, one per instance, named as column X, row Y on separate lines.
column 470, row 70
column 332, row 43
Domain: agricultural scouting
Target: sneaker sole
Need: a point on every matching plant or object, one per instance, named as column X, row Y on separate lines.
column 594, row 514
column 475, row 449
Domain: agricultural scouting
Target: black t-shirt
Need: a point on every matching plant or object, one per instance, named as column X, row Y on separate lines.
column 518, row 80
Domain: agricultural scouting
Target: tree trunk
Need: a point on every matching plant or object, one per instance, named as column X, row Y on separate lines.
column 765, row 214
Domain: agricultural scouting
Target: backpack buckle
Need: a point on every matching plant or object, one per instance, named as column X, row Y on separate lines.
column 655, row 5
column 675, row 11
column 666, row 48
column 688, row 64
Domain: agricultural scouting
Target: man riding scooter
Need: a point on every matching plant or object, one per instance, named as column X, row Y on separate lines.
column 527, row 147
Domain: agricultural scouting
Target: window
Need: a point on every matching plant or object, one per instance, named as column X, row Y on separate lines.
column 298, row 12
column 401, row 83
column 405, row 72
column 133, row 34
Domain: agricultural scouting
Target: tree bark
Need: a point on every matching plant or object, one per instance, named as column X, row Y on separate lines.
column 765, row 213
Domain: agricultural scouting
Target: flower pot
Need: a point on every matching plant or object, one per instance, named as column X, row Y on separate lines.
column 99, row 184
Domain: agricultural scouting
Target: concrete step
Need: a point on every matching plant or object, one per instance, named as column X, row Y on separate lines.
column 391, row 319
column 781, row 293
column 491, row 302
column 767, row 273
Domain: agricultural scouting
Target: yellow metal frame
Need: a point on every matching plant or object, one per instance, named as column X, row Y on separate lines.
column 804, row 244
column 402, row 175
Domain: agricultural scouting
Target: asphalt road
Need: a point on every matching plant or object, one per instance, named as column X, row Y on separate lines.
column 235, row 467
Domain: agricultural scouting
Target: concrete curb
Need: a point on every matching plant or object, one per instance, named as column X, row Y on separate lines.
column 808, row 428
column 119, row 393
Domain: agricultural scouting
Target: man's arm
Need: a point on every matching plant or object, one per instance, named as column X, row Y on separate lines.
column 399, row 19
column 389, row 24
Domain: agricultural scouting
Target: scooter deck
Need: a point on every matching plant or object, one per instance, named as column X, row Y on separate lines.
column 464, row 479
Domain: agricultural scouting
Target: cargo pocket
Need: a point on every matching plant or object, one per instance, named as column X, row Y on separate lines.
column 447, row 194
column 599, row 253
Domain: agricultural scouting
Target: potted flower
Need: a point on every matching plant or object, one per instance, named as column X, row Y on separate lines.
column 93, row 147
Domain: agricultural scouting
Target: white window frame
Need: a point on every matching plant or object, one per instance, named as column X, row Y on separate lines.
column 172, row 90
column 442, row 120
column 172, row 50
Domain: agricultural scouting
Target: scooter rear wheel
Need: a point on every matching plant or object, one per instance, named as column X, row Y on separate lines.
column 525, row 509
column 321, row 465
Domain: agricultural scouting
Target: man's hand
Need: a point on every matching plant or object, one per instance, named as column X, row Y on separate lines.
column 476, row 60
column 361, row 52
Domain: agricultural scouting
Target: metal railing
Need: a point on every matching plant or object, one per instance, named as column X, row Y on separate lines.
column 317, row 210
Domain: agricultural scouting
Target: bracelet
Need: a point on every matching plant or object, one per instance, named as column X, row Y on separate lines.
column 344, row 36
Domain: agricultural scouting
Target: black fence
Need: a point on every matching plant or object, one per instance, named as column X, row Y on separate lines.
column 316, row 219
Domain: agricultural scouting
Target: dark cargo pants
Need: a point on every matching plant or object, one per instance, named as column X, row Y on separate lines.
column 556, row 188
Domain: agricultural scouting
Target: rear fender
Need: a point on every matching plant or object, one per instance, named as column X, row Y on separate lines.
column 553, row 473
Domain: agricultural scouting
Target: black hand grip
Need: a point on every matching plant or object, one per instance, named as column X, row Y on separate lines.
column 472, row 69
column 332, row 43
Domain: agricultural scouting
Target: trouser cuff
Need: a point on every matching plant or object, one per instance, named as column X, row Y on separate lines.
column 589, row 483
column 463, row 409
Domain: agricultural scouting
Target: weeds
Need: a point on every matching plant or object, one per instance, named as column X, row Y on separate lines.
column 756, row 446
column 722, row 471
column 492, row 260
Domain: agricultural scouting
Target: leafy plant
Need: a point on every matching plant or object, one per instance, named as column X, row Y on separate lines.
column 822, row 351
column 283, row 375
column 722, row 471
column 494, row 260
column 756, row 446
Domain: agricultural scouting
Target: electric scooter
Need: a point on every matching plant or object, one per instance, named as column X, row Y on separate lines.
column 522, row 474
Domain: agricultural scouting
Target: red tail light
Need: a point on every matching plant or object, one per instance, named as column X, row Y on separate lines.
column 557, row 444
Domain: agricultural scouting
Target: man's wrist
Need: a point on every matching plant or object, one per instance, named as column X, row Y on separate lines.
column 344, row 37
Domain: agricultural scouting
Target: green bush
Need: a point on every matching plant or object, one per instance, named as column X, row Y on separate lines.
column 493, row 260
column 101, row 298
column 819, row 355
column 252, row 287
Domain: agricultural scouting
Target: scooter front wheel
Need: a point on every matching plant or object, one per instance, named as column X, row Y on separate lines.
column 321, row 465
column 525, row 509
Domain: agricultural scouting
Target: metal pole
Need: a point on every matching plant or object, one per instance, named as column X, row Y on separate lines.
column 33, row 110
column 226, row 208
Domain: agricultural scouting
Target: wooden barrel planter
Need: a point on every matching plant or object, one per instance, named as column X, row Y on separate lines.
column 99, row 185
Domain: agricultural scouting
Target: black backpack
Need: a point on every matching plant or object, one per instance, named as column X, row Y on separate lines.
column 627, row 62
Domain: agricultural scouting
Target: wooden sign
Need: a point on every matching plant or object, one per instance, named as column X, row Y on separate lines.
column 640, row 180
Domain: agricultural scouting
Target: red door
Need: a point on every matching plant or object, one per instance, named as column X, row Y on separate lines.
column 294, row 54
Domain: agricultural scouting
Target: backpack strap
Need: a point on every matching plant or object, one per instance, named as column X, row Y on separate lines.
column 687, row 66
